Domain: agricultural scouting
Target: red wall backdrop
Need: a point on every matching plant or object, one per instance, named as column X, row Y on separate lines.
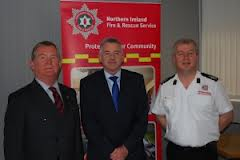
column 137, row 25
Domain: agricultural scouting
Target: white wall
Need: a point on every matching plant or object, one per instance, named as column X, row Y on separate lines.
column 221, row 42
column 221, row 45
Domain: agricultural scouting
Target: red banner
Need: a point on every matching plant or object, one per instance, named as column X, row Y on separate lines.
column 136, row 25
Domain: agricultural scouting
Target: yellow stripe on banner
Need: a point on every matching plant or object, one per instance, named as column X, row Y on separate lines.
column 81, row 56
column 93, row 60
column 68, row 61
column 145, row 59
column 155, row 55
column 132, row 55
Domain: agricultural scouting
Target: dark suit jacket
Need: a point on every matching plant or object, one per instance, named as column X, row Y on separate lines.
column 35, row 131
column 107, row 129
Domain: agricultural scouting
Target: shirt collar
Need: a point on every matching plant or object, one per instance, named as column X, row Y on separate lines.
column 108, row 75
column 45, row 86
column 197, row 76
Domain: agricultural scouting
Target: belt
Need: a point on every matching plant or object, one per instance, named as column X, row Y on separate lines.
column 210, row 145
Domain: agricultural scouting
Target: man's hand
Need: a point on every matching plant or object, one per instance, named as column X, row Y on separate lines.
column 119, row 153
column 162, row 120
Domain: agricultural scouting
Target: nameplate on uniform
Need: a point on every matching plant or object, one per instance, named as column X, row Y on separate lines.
column 204, row 90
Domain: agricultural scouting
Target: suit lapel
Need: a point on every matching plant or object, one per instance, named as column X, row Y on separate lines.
column 123, row 86
column 65, row 97
column 123, row 81
column 41, row 98
column 104, row 83
column 105, row 92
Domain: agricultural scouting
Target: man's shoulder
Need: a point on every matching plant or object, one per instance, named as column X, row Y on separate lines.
column 63, row 86
column 21, row 92
column 93, row 77
column 130, row 73
column 66, row 89
column 168, row 79
column 210, row 77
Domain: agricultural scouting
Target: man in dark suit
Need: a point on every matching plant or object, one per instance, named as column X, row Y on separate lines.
column 114, row 125
column 42, row 119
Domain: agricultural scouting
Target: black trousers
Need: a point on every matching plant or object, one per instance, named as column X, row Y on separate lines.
column 207, row 152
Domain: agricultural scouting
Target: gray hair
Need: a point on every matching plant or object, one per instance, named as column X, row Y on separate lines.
column 110, row 40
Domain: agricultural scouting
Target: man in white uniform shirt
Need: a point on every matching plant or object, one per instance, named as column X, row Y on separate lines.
column 192, row 106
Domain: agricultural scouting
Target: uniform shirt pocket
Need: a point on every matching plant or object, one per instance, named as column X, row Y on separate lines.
column 200, row 102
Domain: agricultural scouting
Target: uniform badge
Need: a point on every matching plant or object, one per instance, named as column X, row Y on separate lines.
column 204, row 90
column 84, row 21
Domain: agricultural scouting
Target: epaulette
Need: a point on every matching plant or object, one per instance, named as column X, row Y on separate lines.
column 209, row 76
column 167, row 79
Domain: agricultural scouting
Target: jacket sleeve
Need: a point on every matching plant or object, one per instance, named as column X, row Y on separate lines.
column 14, row 129
column 140, row 124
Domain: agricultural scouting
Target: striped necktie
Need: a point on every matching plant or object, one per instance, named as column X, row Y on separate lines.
column 57, row 99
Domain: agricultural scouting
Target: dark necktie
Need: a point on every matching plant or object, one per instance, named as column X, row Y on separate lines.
column 57, row 99
column 115, row 92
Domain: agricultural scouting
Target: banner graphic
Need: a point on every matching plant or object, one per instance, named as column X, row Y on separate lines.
column 137, row 25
